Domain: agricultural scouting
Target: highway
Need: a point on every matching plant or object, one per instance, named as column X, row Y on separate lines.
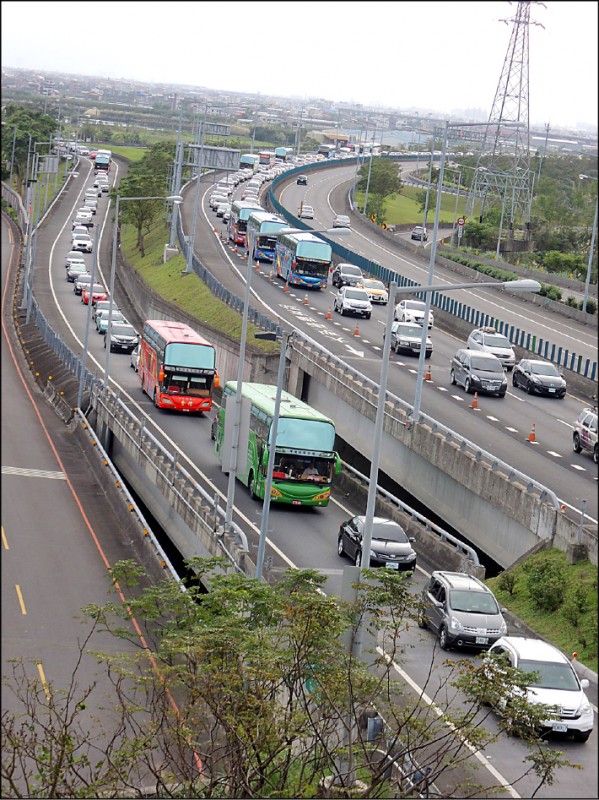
column 304, row 537
column 500, row 426
column 59, row 535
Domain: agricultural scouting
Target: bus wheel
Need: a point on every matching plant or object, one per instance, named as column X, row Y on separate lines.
column 252, row 486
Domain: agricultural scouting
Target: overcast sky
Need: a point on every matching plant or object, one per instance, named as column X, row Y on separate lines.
column 443, row 57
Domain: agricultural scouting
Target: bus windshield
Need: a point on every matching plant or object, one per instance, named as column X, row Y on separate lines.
column 179, row 354
column 306, row 434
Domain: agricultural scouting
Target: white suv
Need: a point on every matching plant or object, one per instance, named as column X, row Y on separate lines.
column 490, row 341
column 556, row 684
column 353, row 300
column 585, row 433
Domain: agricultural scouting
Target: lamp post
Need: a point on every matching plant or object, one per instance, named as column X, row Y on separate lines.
column 523, row 285
column 171, row 198
column 587, row 282
column 233, row 459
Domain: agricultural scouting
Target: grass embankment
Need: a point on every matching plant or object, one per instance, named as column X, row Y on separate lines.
column 130, row 153
column 571, row 625
column 556, row 599
column 404, row 209
column 186, row 291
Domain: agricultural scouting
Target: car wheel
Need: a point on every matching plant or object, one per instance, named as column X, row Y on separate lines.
column 427, row 355
column 576, row 443
column 104, row 342
column 595, row 455
column 342, row 311
column 467, row 385
column 358, row 558
column 340, row 548
column 368, row 316
column 581, row 736
column 452, row 378
column 529, row 388
column 396, row 348
column 443, row 644
column 514, row 380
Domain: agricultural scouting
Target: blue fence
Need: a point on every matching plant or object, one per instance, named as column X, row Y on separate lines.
column 533, row 344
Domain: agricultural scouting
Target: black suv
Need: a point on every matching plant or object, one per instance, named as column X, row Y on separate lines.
column 478, row 372
column 302, row 180
column 347, row 275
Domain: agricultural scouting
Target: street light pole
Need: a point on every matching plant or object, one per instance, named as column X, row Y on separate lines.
column 233, row 459
column 587, row 282
column 271, row 456
column 171, row 198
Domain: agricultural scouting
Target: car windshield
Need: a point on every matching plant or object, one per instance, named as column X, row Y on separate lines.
column 414, row 305
column 356, row 294
column 544, row 369
column 97, row 287
column 496, row 340
column 473, row 602
column 352, row 271
column 549, row 675
column 388, row 532
column 410, row 330
column 485, row 364
column 123, row 330
column 379, row 285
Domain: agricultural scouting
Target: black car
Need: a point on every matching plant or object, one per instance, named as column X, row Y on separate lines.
column 478, row 372
column 347, row 275
column 302, row 180
column 123, row 337
column 390, row 546
column 539, row 377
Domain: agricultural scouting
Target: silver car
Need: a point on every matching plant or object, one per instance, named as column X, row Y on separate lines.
column 490, row 341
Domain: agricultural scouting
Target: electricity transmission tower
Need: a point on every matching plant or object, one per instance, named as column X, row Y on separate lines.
column 503, row 176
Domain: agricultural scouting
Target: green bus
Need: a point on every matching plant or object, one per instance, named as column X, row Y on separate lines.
column 305, row 459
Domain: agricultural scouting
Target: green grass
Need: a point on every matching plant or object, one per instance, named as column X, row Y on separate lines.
column 131, row 153
column 404, row 209
column 188, row 292
column 569, row 630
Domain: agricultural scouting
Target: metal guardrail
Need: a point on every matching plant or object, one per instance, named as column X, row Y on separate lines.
column 442, row 534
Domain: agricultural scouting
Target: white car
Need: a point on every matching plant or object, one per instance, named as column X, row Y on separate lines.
column 82, row 242
column 556, row 684
column 353, row 300
column 216, row 200
column 490, row 341
column 306, row 212
column 413, row 311
column 73, row 256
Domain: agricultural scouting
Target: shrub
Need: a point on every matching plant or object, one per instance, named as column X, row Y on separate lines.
column 546, row 585
column 507, row 582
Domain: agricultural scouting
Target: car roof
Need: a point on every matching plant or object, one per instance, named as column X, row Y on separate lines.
column 534, row 649
column 459, row 580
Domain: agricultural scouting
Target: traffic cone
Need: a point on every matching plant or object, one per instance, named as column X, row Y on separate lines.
column 532, row 435
column 271, row 275
column 235, row 249
column 428, row 376
column 474, row 403
column 328, row 314
column 257, row 264
column 286, row 289
column 216, row 230
column 356, row 330
column 305, row 299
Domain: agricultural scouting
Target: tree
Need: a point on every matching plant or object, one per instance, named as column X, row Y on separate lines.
column 384, row 178
column 147, row 178
column 270, row 702
column 31, row 127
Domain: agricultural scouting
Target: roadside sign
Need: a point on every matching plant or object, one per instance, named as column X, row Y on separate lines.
column 461, row 221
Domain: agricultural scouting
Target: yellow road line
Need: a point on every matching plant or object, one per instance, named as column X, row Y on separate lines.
column 40, row 669
column 20, row 596
column 4, row 539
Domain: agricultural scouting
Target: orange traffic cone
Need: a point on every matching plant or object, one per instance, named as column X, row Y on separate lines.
column 328, row 314
column 216, row 230
column 428, row 376
column 257, row 264
column 235, row 249
column 474, row 403
column 271, row 276
column 305, row 299
column 532, row 435
column 286, row 289
column 356, row 330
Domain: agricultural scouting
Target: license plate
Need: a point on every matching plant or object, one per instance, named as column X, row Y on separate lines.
column 552, row 390
column 392, row 565
column 482, row 640
column 296, row 502
column 558, row 727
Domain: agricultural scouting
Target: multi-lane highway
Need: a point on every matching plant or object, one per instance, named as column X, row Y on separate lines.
column 300, row 537
column 500, row 426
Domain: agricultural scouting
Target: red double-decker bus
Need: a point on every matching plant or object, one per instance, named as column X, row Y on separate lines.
column 177, row 367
